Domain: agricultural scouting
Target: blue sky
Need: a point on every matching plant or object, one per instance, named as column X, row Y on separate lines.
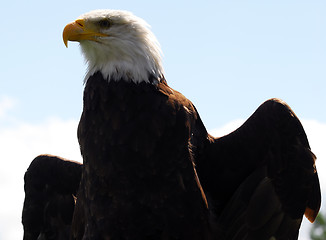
column 227, row 57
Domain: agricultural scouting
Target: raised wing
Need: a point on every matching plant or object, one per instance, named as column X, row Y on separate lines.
column 50, row 186
column 261, row 179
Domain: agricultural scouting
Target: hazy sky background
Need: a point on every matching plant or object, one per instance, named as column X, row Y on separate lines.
column 226, row 56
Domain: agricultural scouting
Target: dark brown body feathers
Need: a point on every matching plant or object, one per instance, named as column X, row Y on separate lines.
column 138, row 177
column 151, row 170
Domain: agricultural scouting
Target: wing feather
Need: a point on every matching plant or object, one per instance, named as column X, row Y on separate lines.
column 261, row 179
column 50, row 186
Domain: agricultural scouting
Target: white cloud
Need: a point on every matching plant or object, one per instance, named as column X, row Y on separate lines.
column 6, row 103
column 19, row 146
column 316, row 132
column 227, row 128
column 21, row 143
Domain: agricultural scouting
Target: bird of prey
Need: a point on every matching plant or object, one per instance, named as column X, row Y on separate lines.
column 150, row 169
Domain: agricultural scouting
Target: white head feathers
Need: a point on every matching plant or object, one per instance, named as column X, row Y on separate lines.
column 129, row 50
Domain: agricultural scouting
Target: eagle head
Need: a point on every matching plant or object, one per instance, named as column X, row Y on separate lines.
column 118, row 44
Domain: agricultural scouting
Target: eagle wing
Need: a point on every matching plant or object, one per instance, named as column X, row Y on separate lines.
column 261, row 179
column 50, row 185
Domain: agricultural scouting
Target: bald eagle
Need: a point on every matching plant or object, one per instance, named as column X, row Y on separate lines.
column 150, row 169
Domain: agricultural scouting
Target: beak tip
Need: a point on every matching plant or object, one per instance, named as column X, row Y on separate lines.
column 67, row 33
column 65, row 39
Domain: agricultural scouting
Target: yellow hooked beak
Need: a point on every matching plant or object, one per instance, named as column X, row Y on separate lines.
column 77, row 31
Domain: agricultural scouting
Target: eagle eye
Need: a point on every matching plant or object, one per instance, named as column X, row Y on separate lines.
column 104, row 23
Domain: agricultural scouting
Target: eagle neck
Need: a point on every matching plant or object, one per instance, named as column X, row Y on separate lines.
column 149, row 79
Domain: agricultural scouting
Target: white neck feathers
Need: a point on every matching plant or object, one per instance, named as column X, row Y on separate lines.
column 130, row 51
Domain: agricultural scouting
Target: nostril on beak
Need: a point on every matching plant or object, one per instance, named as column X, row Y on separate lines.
column 80, row 22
